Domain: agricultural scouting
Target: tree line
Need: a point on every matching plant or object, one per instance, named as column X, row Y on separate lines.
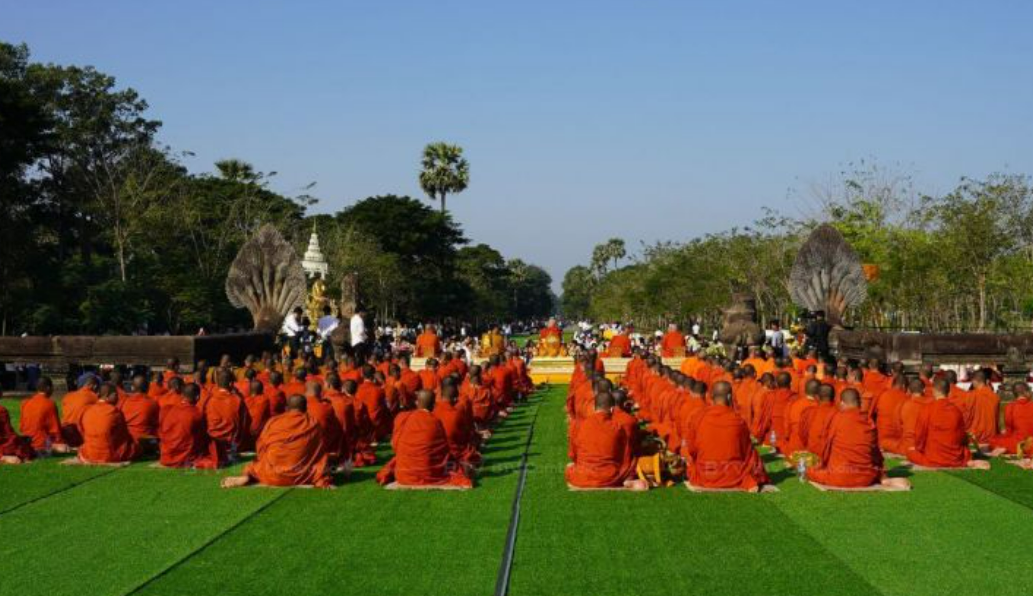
column 955, row 261
column 104, row 230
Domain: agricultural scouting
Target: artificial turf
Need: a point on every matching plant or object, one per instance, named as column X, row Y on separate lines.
column 72, row 530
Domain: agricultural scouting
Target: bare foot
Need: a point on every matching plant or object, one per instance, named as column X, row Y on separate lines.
column 979, row 464
column 235, row 481
column 998, row 452
column 899, row 483
column 11, row 460
column 637, row 485
column 60, row 448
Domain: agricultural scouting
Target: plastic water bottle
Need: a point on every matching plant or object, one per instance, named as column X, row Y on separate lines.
column 233, row 452
column 801, row 469
column 774, row 439
column 47, row 447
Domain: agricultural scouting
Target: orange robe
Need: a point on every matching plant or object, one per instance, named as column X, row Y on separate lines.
column 422, row 454
column 481, row 402
column 10, row 442
column 620, row 346
column 794, row 440
column 1018, row 425
column 908, row 414
column 719, row 453
column 39, row 421
column 672, row 344
column 850, row 456
column 772, row 416
column 629, row 424
column 259, row 412
column 940, row 437
column 106, row 437
column 371, row 398
column 964, row 400
column 985, row 413
column 73, row 406
column 141, row 414
column 885, row 413
column 428, row 345
column 290, row 452
column 276, row 398
column 184, row 442
column 598, row 448
column 813, row 424
column 322, row 411
column 226, row 419
column 462, row 440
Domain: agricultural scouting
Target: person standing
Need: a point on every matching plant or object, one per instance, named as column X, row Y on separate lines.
column 359, row 336
column 325, row 327
column 291, row 329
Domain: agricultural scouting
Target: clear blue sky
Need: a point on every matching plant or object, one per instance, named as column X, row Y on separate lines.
column 581, row 120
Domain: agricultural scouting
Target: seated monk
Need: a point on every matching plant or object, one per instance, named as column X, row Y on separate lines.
column 422, row 454
column 885, row 412
column 940, row 437
column 370, row 396
column 1018, row 423
column 482, row 403
column 140, row 411
column 598, row 448
column 620, row 345
column 39, row 420
column 290, row 452
column 74, row 405
column 428, row 345
column 814, row 421
column 174, row 395
column 769, row 420
column 624, row 419
column 321, row 409
column 850, row 457
column 14, row 449
column 256, row 400
column 226, row 417
column 907, row 414
column 986, row 407
column 106, row 437
column 184, row 442
column 459, row 428
column 794, row 440
column 718, row 447
column 673, row 343
column 429, row 377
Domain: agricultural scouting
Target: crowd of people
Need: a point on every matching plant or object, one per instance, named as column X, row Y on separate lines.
column 833, row 422
column 306, row 420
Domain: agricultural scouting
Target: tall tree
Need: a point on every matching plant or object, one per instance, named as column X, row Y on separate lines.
column 444, row 171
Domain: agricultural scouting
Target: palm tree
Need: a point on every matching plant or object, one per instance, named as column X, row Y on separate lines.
column 444, row 172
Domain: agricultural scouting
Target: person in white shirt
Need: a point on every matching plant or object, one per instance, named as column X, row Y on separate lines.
column 359, row 336
column 291, row 328
column 325, row 327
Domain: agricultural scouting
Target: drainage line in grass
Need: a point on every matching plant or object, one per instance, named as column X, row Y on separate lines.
column 502, row 583
column 207, row 543
column 58, row 491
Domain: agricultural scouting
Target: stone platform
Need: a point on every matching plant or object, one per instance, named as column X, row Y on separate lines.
column 560, row 370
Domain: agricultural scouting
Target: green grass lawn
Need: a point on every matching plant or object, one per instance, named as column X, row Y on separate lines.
column 144, row 530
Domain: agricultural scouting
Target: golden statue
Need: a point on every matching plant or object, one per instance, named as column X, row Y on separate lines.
column 492, row 343
column 317, row 299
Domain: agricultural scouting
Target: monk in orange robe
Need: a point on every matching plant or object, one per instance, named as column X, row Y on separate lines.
column 940, row 437
column 718, row 450
column 370, row 397
column 140, row 411
column 422, row 453
column 429, row 377
column 771, row 417
column 620, row 345
column 598, row 448
column 73, row 406
column 174, row 395
column 480, row 398
column 885, row 413
column 623, row 418
column 14, row 449
column 908, row 413
column 985, row 410
column 39, row 420
column 274, row 394
column 321, row 410
column 259, row 412
column 1018, row 423
column 850, row 456
column 673, row 343
column 226, row 418
column 459, row 429
column 106, row 438
column 814, row 421
column 428, row 344
column 184, row 442
column 296, row 385
column 363, row 451
column 344, row 410
column 795, row 440
column 290, row 452
column 874, row 381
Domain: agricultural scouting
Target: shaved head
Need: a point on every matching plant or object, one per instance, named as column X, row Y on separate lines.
column 297, row 403
column 425, row 399
column 603, row 402
column 722, row 393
